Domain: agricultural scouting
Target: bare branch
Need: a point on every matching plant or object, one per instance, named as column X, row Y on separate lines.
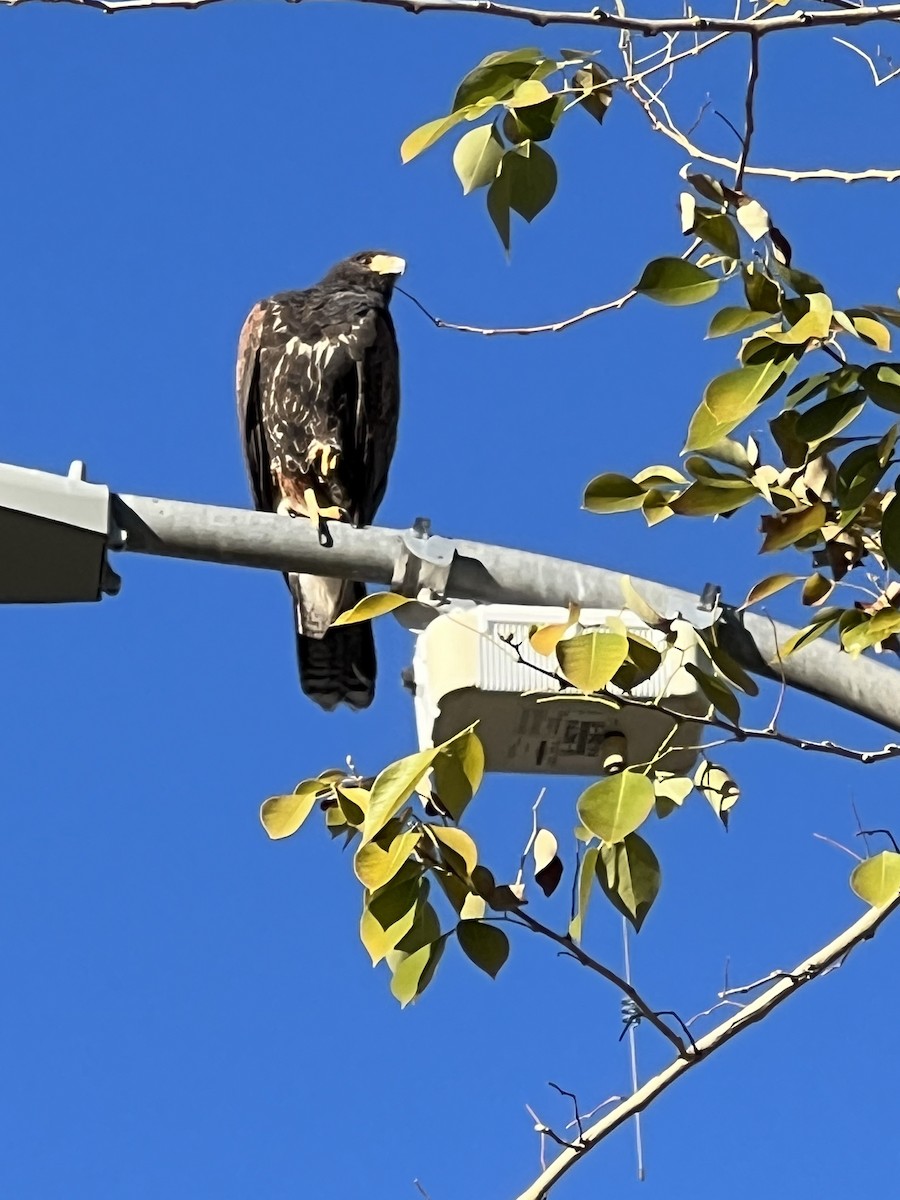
column 879, row 79
column 663, row 124
column 551, row 327
column 596, row 18
column 811, row 968
column 837, row 845
column 748, row 114
column 572, row 948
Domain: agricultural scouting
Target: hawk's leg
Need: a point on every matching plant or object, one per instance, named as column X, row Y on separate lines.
column 326, row 454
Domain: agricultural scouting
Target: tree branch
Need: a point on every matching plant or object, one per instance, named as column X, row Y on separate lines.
column 757, row 1010
column 571, row 947
column 748, row 119
column 596, row 18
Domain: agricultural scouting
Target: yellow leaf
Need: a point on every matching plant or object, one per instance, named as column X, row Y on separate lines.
column 393, row 787
column 544, row 638
column 374, row 867
column 426, row 135
column 283, row 815
column 590, row 660
column 375, row 605
column 877, row 880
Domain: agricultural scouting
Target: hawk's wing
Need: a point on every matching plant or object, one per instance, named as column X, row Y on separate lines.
column 249, row 409
column 377, row 420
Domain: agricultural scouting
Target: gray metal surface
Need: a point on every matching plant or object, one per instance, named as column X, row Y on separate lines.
column 492, row 574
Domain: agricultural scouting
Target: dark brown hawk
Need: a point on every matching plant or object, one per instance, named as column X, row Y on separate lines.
column 318, row 391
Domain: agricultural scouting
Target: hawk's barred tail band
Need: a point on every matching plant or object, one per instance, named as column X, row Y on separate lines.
column 339, row 666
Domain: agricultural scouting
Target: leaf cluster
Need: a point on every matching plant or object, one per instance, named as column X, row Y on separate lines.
column 524, row 94
column 826, row 484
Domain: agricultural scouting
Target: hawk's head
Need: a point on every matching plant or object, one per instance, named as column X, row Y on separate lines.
column 372, row 268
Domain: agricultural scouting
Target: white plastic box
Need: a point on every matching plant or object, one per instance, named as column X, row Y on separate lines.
column 463, row 672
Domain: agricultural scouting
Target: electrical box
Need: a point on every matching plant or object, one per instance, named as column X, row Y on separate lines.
column 54, row 531
column 463, row 672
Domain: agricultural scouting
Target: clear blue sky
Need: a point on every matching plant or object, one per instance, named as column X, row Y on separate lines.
column 186, row 1010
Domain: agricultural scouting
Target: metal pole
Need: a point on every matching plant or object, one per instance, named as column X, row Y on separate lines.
column 488, row 574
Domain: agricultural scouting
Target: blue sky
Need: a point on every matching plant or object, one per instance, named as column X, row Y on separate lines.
column 186, row 1008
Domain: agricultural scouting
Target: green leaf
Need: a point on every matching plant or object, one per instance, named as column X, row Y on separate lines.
column 596, row 96
column 815, row 322
column 535, row 123
column 379, row 941
column 734, row 319
column 877, row 880
column 816, row 589
column 890, row 533
column 458, row 771
column 808, row 634
column 486, row 945
column 858, row 476
column 612, row 808
column 719, row 789
column 283, row 815
column 393, row 787
column 413, row 972
column 718, row 693
column 674, row 281
column 636, row 603
column 675, row 788
column 498, row 207
column 405, row 891
column 375, row 605
column 589, row 660
column 530, row 174
column 585, row 879
column 891, row 315
column 870, row 330
column 762, row 292
column 730, row 398
column 728, row 667
column 426, row 135
column 374, row 866
column 532, row 91
column 458, row 842
column 704, row 499
column 718, row 230
column 611, row 493
column 498, row 75
column 881, row 381
column 787, row 528
column 548, row 868
column 803, row 284
column 828, row 418
column 768, row 587
column 629, row 874
column 860, row 631
column 477, row 157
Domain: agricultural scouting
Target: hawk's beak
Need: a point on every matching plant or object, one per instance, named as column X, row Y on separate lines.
column 387, row 264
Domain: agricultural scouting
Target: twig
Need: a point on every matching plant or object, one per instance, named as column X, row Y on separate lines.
column 811, row 968
column 667, row 127
column 879, row 79
column 550, row 327
column 575, row 951
column 737, row 733
column 887, row 833
column 574, row 1099
column 748, row 114
column 837, row 845
column 534, row 833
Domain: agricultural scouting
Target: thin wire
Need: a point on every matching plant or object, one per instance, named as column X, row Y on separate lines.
column 638, row 1139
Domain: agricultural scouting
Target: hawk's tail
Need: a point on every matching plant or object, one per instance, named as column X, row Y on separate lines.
column 337, row 666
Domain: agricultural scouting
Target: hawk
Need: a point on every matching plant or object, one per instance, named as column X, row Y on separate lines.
column 318, row 395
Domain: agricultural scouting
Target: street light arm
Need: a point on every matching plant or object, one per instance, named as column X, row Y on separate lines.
column 490, row 575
